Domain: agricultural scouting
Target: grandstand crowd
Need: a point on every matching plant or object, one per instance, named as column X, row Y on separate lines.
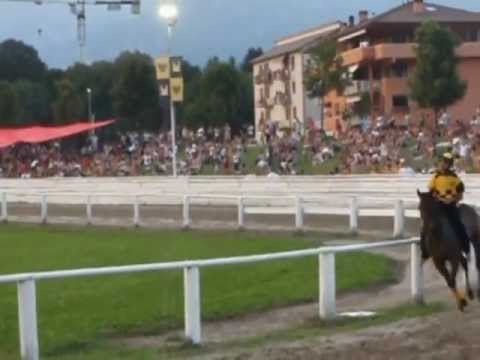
column 380, row 148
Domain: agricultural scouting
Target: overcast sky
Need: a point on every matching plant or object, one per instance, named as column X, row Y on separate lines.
column 205, row 27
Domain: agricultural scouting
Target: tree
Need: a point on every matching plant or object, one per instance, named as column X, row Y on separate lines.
column 325, row 72
column 218, row 97
column 135, row 91
column 33, row 102
column 19, row 61
column 435, row 83
column 68, row 105
column 8, row 104
column 252, row 53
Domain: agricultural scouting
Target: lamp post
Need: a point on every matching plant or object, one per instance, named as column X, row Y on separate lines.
column 169, row 12
column 90, row 114
column 89, row 96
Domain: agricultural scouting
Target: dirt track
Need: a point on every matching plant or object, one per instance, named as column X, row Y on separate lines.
column 211, row 217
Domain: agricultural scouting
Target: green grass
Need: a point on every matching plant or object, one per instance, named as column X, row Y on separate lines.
column 79, row 313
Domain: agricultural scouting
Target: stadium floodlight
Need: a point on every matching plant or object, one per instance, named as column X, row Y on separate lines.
column 169, row 12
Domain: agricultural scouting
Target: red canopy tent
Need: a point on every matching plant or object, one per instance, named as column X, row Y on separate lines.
column 39, row 134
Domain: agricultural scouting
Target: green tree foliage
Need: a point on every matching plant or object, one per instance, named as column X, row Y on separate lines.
column 436, row 83
column 68, row 105
column 125, row 89
column 32, row 99
column 221, row 94
column 135, row 91
column 19, row 61
column 8, row 104
column 325, row 72
column 251, row 54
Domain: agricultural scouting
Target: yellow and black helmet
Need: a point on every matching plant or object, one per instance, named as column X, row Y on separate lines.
column 448, row 158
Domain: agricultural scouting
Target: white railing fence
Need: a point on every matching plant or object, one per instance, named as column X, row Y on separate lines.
column 27, row 301
column 296, row 206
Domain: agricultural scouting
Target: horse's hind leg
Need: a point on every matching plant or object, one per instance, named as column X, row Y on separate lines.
column 464, row 263
column 451, row 280
column 476, row 248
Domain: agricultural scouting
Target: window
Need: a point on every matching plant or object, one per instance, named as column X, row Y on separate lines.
column 472, row 35
column 399, row 69
column 400, row 101
column 292, row 62
column 294, row 87
column 295, row 112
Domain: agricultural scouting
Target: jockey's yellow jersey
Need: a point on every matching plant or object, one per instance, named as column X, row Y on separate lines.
column 446, row 185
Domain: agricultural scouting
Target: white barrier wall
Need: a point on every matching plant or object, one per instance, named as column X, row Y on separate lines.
column 116, row 190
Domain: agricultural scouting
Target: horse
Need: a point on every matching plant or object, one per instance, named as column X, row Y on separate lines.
column 443, row 245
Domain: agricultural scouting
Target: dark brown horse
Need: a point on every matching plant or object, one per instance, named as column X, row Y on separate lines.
column 444, row 246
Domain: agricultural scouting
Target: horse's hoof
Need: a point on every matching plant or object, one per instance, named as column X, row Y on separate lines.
column 462, row 304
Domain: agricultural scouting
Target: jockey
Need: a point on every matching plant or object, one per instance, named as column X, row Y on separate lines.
column 448, row 189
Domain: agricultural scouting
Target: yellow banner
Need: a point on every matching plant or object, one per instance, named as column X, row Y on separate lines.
column 162, row 67
column 176, row 89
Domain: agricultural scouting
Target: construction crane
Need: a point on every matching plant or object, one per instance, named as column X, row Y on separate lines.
column 78, row 8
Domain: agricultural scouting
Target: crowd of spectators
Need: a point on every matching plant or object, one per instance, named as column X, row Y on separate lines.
column 132, row 154
column 383, row 147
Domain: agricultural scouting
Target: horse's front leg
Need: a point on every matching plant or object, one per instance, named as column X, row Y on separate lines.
column 450, row 278
column 464, row 263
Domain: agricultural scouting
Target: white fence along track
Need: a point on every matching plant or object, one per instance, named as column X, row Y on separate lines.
column 27, row 295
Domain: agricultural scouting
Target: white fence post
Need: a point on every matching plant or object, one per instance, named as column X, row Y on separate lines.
column 44, row 209
column 4, row 214
column 354, row 215
column 186, row 212
column 416, row 273
column 399, row 220
column 89, row 210
column 27, row 318
column 136, row 211
column 193, row 327
column 241, row 214
column 327, row 286
column 298, row 214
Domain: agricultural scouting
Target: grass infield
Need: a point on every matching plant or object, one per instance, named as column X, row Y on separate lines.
column 76, row 314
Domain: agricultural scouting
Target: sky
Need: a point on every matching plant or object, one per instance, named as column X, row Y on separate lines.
column 205, row 28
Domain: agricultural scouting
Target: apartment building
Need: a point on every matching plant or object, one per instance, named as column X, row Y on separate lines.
column 378, row 52
column 278, row 77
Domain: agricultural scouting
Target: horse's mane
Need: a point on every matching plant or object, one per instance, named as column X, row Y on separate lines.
column 432, row 206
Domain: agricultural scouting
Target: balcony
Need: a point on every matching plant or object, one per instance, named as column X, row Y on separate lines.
column 358, row 87
column 358, row 55
column 264, row 77
column 399, row 51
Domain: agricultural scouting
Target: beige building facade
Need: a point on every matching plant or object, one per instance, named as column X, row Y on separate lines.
column 280, row 97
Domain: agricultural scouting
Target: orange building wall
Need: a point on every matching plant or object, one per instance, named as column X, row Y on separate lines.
column 469, row 70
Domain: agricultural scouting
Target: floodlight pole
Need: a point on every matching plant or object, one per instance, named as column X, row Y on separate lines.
column 172, row 107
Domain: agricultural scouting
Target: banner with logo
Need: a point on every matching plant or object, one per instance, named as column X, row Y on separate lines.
column 176, row 87
column 162, row 68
